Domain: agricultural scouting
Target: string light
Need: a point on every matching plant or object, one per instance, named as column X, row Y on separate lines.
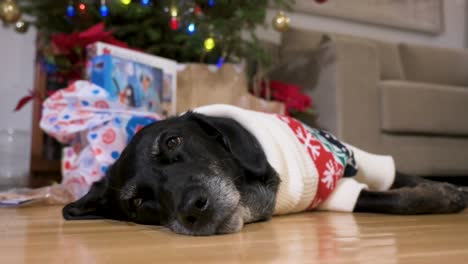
column 145, row 2
column 209, row 44
column 70, row 10
column 211, row 3
column 191, row 28
column 104, row 10
column 174, row 11
column 220, row 62
column 126, row 2
column 174, row 23
column 82, row 7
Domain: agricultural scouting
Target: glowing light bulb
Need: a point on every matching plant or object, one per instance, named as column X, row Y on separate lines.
column 126, row 2
column 71, row 11
column 220, row 62
column 145, row 2
column 82, row 7
column 104, row 10
column 209, row 43
column 191, row 28
column 174, row 23
column 174, row 11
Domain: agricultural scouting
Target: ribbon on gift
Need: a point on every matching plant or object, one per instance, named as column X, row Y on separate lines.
column 95, row 128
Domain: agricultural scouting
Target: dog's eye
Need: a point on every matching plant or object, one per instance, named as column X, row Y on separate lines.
column 173, row 142
column 137, row 202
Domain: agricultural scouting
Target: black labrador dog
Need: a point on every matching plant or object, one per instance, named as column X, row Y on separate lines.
column 203, row 175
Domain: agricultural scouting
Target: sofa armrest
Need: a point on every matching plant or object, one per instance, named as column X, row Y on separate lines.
column 346, row 96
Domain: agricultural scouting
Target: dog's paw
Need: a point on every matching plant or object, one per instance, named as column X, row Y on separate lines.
column 464, row 191
column 440, row 198
column 74, row 211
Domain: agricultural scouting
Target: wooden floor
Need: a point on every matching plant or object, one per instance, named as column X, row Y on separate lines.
column 39, row 235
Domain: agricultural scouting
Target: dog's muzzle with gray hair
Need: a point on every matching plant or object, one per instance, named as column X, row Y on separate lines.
column 210, row 205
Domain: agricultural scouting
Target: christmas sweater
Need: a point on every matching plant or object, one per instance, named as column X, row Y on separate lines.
column 317, row 171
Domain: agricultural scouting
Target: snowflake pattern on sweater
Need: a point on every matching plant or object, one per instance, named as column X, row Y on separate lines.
column 332, row 158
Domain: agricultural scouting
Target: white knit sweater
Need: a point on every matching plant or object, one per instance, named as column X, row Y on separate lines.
column 292, row 160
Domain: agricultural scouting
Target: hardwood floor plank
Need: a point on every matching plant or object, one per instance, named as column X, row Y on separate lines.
column 40, row 235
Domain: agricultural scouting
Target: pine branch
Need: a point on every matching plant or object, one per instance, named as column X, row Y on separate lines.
column 146, row 27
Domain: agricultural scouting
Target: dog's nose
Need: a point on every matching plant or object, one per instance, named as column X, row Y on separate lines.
column 195, row 208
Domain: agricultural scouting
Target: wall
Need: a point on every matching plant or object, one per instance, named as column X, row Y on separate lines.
column 16, row 77
column 454, row 36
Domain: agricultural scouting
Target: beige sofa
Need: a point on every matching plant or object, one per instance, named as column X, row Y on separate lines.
column 406, row 100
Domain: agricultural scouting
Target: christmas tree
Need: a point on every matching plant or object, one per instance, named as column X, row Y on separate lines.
column 207, row 31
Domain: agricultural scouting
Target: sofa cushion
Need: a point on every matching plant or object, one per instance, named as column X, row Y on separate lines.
column 427, row 156
column 391, row 67
column 388, row 56
column 435, row 65
column 414, row 107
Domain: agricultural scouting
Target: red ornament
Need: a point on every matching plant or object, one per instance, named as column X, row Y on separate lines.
column 174, row 23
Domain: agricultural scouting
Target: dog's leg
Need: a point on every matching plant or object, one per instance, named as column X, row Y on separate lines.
column 414, row 195
column 404, row 180
column 464, row 191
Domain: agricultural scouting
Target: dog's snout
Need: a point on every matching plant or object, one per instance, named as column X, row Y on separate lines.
column 194, row 210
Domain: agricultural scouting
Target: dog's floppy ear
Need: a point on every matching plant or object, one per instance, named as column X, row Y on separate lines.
column 241, row 143
column 91, row 205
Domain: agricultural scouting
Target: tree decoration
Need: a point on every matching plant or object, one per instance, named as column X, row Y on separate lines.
column 9, row 11
column 103, row 9
column 281, row 22
column 191, row 28
column 82, row 7
column 174, row 23
column 220, row 62
column 145, row 2
column 210, row 28
column 209, row 43
column 21, row 26
column 174, row 11
column 70, row 10
column 174, row 20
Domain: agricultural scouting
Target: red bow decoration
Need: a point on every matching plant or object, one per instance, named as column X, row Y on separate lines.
column 67, row 43
column 31, row 96
column 72, row 49
column 289, row 94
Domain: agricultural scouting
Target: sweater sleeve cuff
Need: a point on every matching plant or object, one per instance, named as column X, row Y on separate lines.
column 344, row 197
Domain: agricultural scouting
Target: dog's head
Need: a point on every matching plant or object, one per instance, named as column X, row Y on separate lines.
column 195, row 174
